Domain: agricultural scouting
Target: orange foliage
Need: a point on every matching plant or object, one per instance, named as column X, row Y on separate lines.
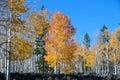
column 59, row 46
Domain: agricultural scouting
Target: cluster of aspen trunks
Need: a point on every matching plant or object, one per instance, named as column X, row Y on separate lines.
column 29, row 66
column 21, row 66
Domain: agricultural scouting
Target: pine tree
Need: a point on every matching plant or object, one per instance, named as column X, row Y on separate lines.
column 86, row 41
column 40, row 52
column 42, row 65
column 104, row 35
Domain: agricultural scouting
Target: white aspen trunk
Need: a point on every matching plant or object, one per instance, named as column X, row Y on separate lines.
column 80, row 66
column 24, row 66
column 25, row 70
column 15, row 67
column 55, row 68
column 115, row 67
column 107, row 58
column 21, row 66
column 5, row 62
column 63, row 66
column 102, row 68
column 96, row 63
column 76, row 67
column 84, row 65
column 102, row 65
column 2, row 63
column 35, row 65
column 7, row 71
column 8, row 60
column 9, row 41
column 6, row 54
column 31, row 64
column 17, row 64
column 97, row 59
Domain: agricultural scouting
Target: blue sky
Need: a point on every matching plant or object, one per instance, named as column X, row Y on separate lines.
column 86, row 15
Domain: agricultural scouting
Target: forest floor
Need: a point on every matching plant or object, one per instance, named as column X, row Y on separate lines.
column 37, row 76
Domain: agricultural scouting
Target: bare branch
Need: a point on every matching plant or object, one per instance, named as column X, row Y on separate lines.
column 3, row 43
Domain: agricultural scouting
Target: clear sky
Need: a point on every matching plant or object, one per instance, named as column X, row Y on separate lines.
column 86, row 15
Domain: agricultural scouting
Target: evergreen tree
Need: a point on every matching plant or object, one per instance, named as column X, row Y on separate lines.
column 42, row 65
column 104, row 35
column 40, row 52
column 103, row 28
column 86, row 41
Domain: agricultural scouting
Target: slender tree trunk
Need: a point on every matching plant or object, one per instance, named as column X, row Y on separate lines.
column 84, row 65
column 102, row 64
column 96, row 62
column 115, row 67
column 6, row 52
column 80, row 67
column 9, row 57
column 55, row 68
column 107, row 58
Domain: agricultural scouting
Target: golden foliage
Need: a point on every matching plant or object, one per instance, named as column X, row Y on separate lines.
column 36, row 23
column 21, row 48
column 89, row 58
column 80, row 53
column 17, row 25
column 17, row 6
column 60, row 48
column 115, row 45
